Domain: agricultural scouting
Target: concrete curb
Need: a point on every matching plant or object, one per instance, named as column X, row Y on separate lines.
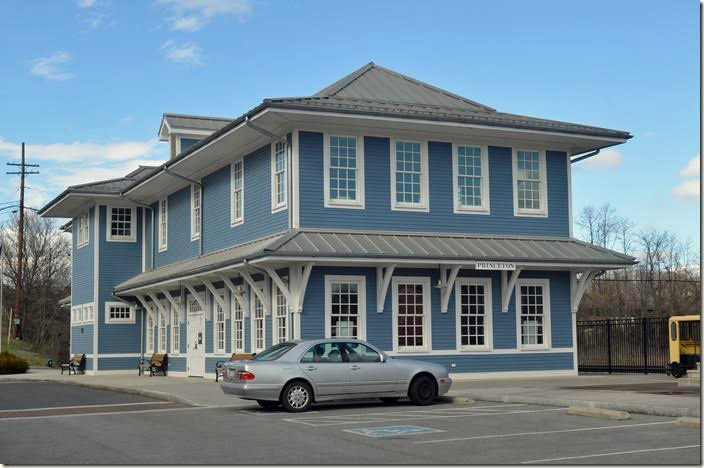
column 631, row 408
column 685, row 421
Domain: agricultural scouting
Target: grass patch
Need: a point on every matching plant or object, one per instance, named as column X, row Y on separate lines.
column 24, row 350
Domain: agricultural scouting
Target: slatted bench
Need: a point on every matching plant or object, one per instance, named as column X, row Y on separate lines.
column 77, row 363
column 157, row 363
column 235, row 357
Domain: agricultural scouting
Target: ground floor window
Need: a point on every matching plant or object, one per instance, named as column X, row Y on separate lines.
column 150, row 335
column 162, row 332
column 280, row 316
column 219, row 328
column 473, row 309
column 411, row 313
column 258, row 325
column 238, row 326
column 345, row 307
column 533, row 313
column 175, row 333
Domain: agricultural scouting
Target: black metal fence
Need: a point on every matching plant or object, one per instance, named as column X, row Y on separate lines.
column 638, row 345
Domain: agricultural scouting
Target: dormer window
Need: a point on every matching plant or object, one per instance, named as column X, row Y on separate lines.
column 186, row 143
column 121, row 225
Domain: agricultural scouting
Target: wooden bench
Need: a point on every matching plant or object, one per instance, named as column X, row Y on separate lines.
column 77, row 363
column 235, row 357
column 157, row 363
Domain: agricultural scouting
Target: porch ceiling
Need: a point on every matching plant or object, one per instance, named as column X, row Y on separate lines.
column 410, row 249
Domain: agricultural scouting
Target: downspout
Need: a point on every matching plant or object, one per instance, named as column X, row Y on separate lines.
column 584, row 156
column 202, row 215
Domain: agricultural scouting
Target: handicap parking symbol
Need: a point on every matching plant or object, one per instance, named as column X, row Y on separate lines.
column 389, row 431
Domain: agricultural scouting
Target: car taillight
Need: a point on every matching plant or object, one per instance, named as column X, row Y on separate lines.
column 244, row 375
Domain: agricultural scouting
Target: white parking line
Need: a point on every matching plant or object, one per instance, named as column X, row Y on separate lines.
column 611, row 453
column 322, row 421
column 85, row 406
column 190, row 408
column 518, row 434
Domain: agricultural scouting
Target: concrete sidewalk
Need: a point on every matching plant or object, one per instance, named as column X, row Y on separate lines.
column 655, row 394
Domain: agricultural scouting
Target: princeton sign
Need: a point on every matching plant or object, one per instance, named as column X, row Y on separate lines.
column 495, row 266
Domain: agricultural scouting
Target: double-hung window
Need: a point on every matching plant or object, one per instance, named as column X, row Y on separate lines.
column 473, row 314
column 175, row 333
column 121, row 224
column 411, row 313
column 280, row 321
column 345, row 307
column 196, row 210
column 278, row 176
column 150, row 334
column 219, row 328
column 163, row 224
column 238, row 326
column 470, row 169
column 162, row 331
column 258, row 325
column 88, row 312
column 118, row 312
column 409, row 175
column 82, row 229
column 533, row 313
column 237, row 185
column 344, row 171
column 529, row 183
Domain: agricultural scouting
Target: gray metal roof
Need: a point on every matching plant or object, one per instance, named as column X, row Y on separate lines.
column 197, row 122
column 446, row 248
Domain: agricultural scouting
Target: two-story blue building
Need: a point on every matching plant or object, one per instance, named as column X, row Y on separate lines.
column 381, row 208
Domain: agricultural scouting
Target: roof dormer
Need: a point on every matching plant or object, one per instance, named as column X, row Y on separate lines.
column 184, row 131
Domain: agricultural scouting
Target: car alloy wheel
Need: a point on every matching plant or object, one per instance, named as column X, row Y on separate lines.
column 298, row 397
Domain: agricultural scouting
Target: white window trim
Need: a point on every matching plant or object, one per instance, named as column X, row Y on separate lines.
column 488, row 314
column 164, row 239
column 215, row 305
column 274, row 306
column 133, row 226
column 427, row 315
column 233, row 305
column 175, row 317
column 150, row 334
column 276, row 207
column 233, row 220
column 547, row 334
column 196, row 235
column 109, row 304
column 543, row 211
column 83, row 229
column 362, row 306
column 252, row 317
column 468, row 209
column 161, row 315
column 358, row 202
column 424, row 185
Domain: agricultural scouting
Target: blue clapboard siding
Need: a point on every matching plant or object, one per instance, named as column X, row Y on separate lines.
column 118, row 363
column 82, row 339
column 378, row 215
column 176, row 364
column 515, row 362
column 118, row 262
column 380, row 327
column 180, row 246
column 149, row 241
column 82, row 263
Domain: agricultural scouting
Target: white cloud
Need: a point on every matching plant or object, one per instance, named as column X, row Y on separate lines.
column 185, row 53
column 86, row 152
column 605, row 159
column 83, row 175
column 191, row 15
column 688, row 189
column 692, row 168
column 86, row 3
column 51, row 67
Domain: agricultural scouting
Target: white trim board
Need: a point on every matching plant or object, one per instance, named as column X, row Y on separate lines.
column 454, row 352
column 462, row 376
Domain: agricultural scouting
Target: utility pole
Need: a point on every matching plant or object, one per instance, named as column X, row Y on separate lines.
column 17, row 330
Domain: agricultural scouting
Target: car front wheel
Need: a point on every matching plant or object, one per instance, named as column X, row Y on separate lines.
column 296, row 397
column 422, row 391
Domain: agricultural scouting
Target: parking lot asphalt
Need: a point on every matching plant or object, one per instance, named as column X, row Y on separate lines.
column 360, row 433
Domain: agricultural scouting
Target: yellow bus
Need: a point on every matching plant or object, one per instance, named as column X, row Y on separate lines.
column 685, row 343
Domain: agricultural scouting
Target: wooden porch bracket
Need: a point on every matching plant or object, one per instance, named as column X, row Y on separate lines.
column 507, row 287
column 383, row 280
column 448, row 275
column 578, row 286
column 146, row 307
column 299, row 282
column 262, row 293
column 159, row 305
column 279, row 283
column 240, row 296
column 220, row 301
column 197, row 297
column 175, row 306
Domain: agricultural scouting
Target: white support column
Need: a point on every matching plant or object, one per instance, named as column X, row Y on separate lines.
column 383, row 280
column 219, row 300
column 175, row 306
column 507, row 287
column 448, row 275
column 299, row 275
column 197, row 297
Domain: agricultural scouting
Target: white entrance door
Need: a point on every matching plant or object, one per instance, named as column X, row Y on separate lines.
column 195, row 358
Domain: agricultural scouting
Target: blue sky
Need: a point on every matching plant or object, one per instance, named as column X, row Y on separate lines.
column 85, row 82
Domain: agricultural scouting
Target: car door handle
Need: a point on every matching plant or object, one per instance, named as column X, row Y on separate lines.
column 311, row 368
column 354, row 367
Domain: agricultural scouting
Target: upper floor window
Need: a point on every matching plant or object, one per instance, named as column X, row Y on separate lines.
column 186, row 143
column 409, row 175
column 470, row 169
column 196, row 211
column 121, row 224
column 278, row 176
column 82, row 230
column 344, row 171
column 163, row 224
column 237, row 184
column 529, row 183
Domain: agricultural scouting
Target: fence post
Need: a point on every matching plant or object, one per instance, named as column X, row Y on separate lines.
column 645, row 346
column 608, row 340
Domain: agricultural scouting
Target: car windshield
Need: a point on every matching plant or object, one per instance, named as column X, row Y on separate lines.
column 275, row 352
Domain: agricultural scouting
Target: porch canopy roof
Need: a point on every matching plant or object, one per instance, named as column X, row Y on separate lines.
column 327, row 247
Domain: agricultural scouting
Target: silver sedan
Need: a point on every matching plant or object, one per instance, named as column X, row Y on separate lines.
column 295, row 374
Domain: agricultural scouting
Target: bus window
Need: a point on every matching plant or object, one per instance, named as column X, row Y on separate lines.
column 684, row 331
column 673, row 331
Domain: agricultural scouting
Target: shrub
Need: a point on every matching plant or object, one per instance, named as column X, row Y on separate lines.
column 11, row 364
